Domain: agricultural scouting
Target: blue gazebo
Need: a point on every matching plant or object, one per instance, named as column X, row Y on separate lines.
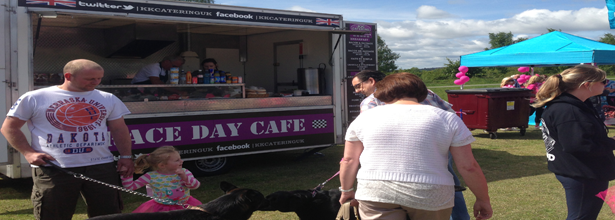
column 555, row 48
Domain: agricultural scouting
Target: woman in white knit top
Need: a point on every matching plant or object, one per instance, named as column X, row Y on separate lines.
column 402, row 148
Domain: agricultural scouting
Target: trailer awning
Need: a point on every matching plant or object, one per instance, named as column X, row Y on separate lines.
column 76, row 20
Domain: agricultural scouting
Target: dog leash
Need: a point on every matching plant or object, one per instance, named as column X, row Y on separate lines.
column 320, row 186
column 159, row 200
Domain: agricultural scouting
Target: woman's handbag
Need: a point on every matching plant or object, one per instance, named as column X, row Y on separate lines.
column 345, row 212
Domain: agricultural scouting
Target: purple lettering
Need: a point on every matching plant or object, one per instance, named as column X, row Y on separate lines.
column 72, row 137
column 60, row 139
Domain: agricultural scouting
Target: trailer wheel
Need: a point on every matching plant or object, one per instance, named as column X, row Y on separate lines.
column 211, row 166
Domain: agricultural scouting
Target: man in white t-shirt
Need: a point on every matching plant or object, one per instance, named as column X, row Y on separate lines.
column 68, row 125
column 157, row 73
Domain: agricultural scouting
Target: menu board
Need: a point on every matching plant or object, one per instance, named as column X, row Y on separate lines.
column 361, row 54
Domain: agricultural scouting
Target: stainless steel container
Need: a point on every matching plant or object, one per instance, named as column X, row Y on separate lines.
column 310, row 80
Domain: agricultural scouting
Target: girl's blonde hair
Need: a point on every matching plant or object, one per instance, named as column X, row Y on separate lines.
column 151, row 160
column 532, row 80
column 505, row 80
column 569, row 80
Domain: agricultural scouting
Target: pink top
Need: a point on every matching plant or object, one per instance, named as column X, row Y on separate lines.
column 534, row 87
column 165, row 186
column 508, row 86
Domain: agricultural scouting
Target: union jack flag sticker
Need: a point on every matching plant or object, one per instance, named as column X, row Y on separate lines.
column 64, row 3
column 328, row 21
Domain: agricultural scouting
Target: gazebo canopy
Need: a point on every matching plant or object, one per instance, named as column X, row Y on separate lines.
column 555, row 48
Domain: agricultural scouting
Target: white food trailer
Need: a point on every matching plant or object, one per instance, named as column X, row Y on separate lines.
column 281, row 52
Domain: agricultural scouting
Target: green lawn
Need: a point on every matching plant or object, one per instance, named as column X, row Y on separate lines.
column 520, row 186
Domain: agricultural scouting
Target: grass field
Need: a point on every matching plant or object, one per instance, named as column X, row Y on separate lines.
column 519, row 183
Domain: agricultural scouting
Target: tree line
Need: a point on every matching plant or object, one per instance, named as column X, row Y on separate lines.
column 386, row 61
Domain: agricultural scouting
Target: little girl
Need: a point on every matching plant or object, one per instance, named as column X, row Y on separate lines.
column 534, row 84
column 507, row 82
column 168, row 180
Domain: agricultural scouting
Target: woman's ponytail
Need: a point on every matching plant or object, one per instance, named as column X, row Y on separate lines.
column 550, row 89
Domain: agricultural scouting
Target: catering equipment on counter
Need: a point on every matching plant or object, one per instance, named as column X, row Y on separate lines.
column 47, row 79
column 256, row 92
column 140, row 93
column 312, row 79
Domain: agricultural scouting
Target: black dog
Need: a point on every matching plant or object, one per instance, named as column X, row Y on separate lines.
column 321, row 205
column 236, row 204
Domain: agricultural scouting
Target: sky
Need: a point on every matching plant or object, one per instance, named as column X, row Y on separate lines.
column 426, row 32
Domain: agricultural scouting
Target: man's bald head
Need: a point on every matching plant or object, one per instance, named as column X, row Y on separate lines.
column 74, row 67
column 82, row 75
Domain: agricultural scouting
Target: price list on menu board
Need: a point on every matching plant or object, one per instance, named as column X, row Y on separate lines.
column 361, row 54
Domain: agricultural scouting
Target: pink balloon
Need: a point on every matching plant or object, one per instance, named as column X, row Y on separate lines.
column 521, row 81
column 464, row 79
column 458, row 82
column 523, row 69
column 460, row 74
column 463, row 69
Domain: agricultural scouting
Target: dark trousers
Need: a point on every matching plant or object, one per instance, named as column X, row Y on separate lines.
column 538, row 114
column 581, row 199
column 460, row 210
column 55, row 193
